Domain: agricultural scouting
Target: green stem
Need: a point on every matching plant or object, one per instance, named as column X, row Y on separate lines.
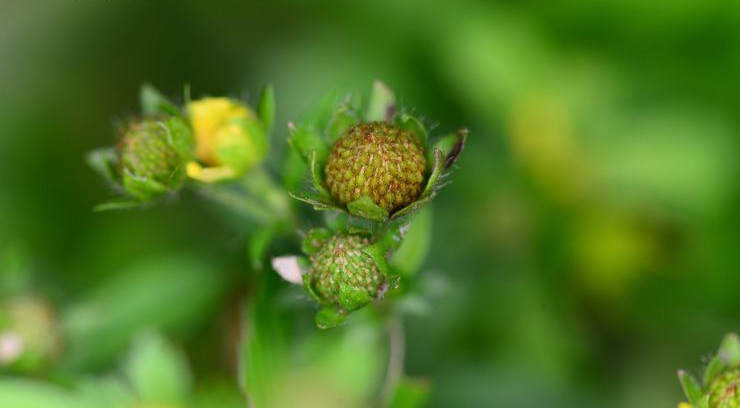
column 396, row 357
column 259, row 183
column 259, row 199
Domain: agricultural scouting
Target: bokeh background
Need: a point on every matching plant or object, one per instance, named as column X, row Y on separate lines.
column 586, row 249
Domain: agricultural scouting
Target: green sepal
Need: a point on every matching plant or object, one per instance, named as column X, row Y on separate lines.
column 436, row 173
column 691, row 387
column 153, row 103
column 104, row 162
column 328, row 318
column 415, row 126
column 310, row 290
column 141, row 188
column 266, row 108
column 342, row 119
column 729, row 350
column 365, row 207
column 314, row 240
column 378, row 251
column 715, row 367
column 315, row 168
column 382, row 104
column 117, row 204
column 318, row 203
column 305, row 139
column 451, row 146
column 180, row 137
column 352, row 298
column 414, row 207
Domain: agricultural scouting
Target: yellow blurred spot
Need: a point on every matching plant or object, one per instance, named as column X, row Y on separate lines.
column 685, row 405
column 543, row 140
column 611, row 250
column 209, row 174
column 210, row 117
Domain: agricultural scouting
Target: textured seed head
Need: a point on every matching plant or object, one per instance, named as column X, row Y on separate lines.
column 724, row 391
column 340, row 266
column 146, row 152
column 378, row 160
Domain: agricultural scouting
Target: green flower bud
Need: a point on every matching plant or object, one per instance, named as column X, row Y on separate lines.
column 30, row 337
column 378, row 160
column 720, row 386
column 152, row 157
column 346, row 273
column 343, row 274
column 374, row 162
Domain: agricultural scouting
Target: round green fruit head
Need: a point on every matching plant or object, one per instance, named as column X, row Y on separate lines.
column 377, row 160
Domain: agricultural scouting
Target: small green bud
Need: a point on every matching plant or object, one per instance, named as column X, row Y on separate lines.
column 721, row 380
column 378, row 160
column 152, row 157
column 344, row 275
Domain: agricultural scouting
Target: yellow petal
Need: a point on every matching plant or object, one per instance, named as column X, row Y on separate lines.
column 208, row 116
column 209, row 174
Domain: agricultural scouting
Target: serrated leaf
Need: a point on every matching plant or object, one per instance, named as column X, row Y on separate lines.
column 157, row 371
column 154, row 103
column 266, row 108
column 104, row 162
column 414, row 125
column 690, row 386
column 365, row 207
column 382, row 104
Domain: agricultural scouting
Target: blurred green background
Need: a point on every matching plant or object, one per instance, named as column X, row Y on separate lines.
column 586, row 248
